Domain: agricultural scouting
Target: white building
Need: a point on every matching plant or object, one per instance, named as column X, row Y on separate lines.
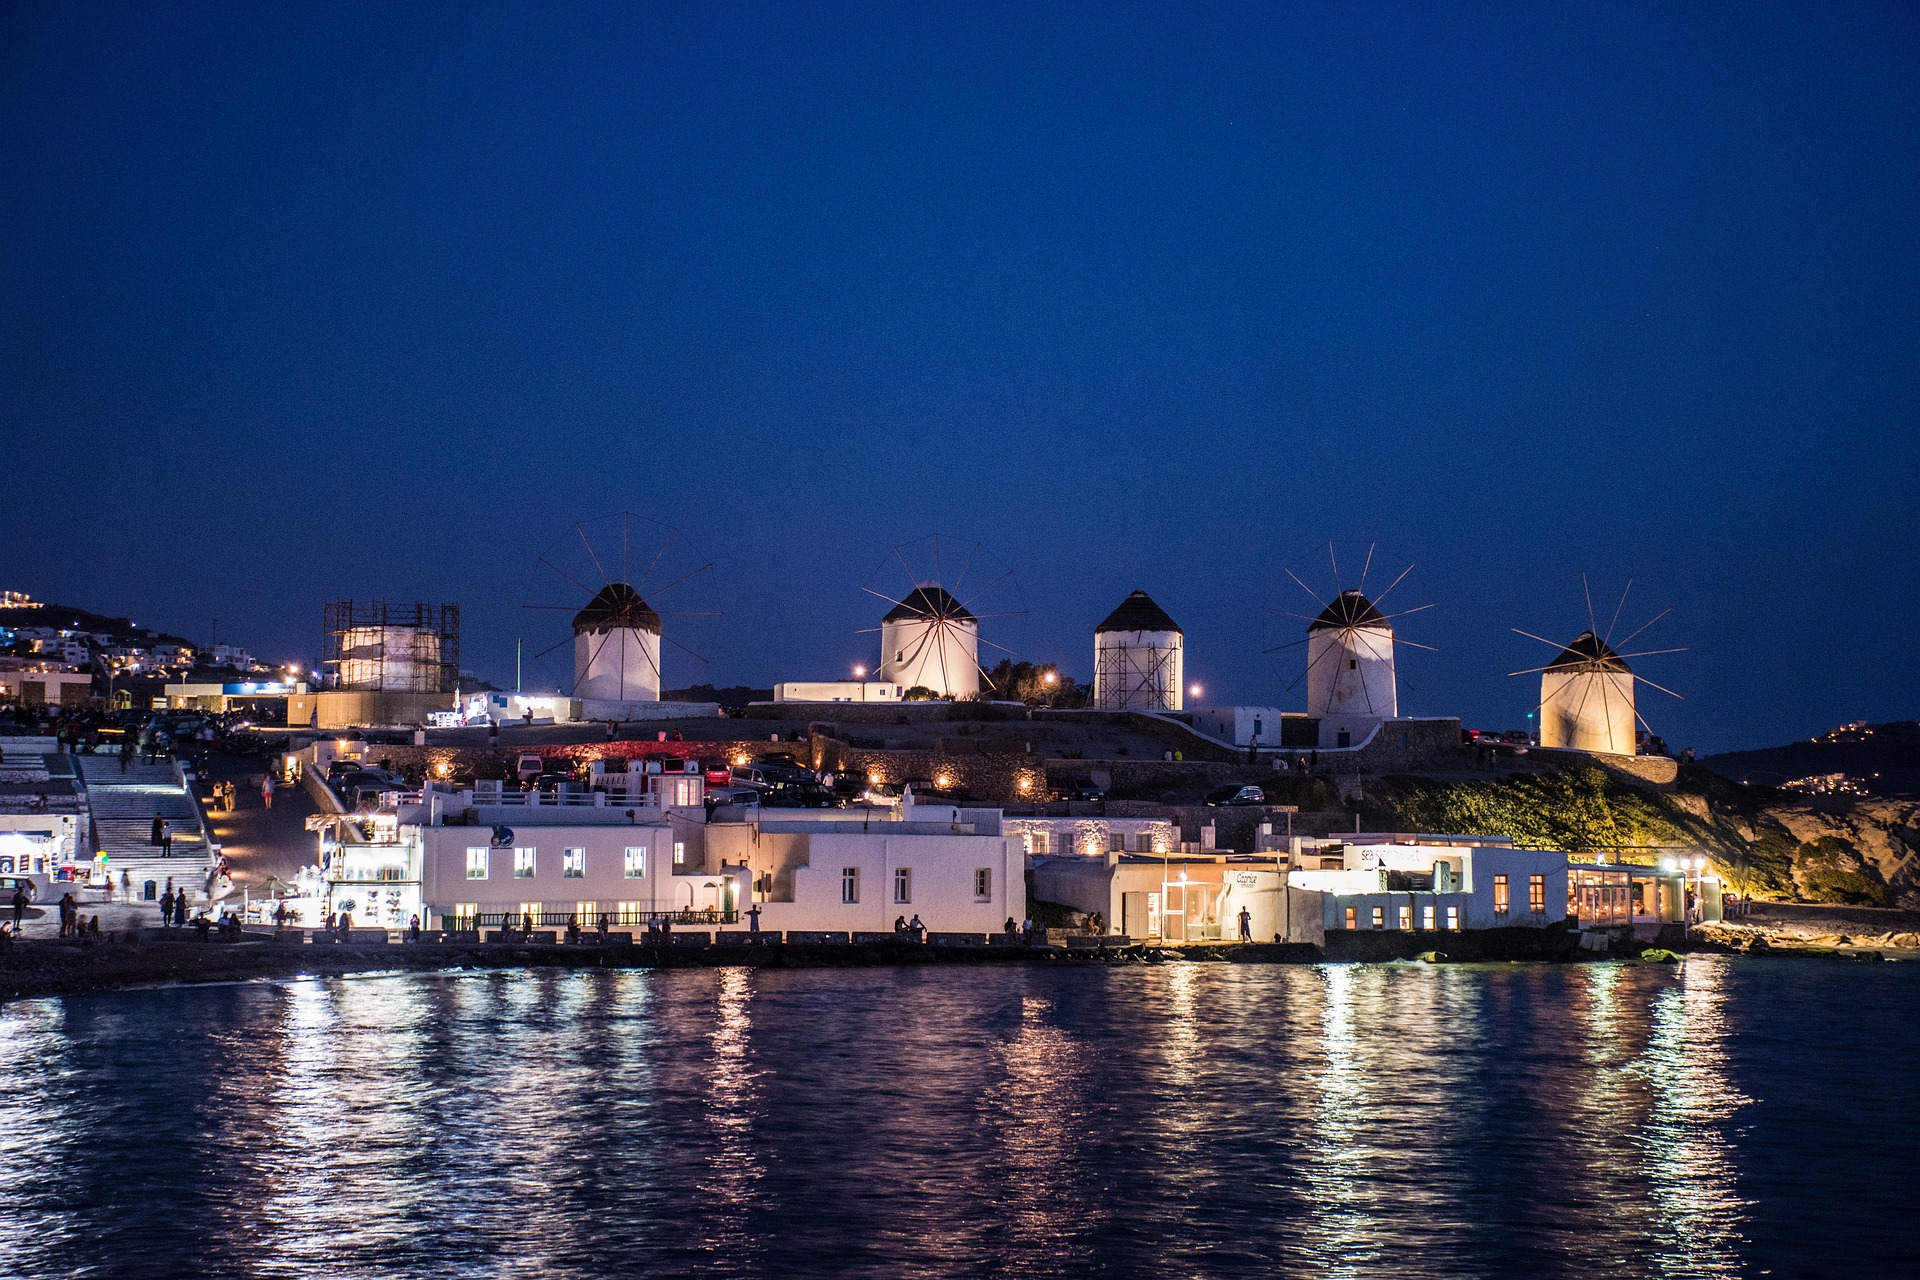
column 1350, row 671
column 932, row 641
column 1242, row 726
column 1435, row 883
column 837, row 691
column 1139, row 658
column 643, row 848
column 616, row 651
column 37, row 683
column 1092, row 836
column 1586, row 699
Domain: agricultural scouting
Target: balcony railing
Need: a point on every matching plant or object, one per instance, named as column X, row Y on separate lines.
column 613, row 919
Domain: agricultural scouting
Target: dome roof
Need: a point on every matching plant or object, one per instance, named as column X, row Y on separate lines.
column 1349, row 609
column 618, row 607
column 1589, row 652
column 929, row 603
column 1138, row 612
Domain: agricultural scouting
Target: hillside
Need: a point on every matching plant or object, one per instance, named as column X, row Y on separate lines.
column 69, row 618
column 1855, row 759
column 1768, row 842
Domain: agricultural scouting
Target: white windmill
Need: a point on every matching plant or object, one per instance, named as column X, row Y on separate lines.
column 1587, row 690
column 930, row 639
column 618, row 634
column 1352, row 684
column 1139, row 658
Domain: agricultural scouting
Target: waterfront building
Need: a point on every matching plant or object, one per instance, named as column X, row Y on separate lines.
column 1182, row 897
column 1434, row 882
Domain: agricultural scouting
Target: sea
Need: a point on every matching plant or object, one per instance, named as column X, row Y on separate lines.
column 1723, row 1116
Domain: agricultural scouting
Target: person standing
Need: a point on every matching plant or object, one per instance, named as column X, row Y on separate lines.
column 166, row 838
column 126, row 885
column 180, row 909
column 1246, row 925
column 19, row 906
column 159, row 825
column 918, row 930
column 266, row 791
column 413, row 928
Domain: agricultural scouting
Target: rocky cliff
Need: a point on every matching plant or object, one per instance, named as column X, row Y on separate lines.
column 1775, row 844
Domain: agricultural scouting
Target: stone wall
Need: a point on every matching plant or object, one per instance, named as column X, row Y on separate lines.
column 1657, row 772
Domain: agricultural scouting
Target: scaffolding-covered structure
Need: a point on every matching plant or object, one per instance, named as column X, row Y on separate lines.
column 411, row 648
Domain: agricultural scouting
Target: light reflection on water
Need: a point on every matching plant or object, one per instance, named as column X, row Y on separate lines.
column 1404, row 1120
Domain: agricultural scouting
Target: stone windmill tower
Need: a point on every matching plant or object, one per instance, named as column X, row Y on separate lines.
column 1587, row 691
column 1139, row 658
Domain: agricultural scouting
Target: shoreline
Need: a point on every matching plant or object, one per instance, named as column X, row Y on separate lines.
column 39, row 969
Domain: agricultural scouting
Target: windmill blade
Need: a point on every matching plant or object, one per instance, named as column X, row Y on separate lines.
column 1335, row 562
column 591, row 554
column 549, row 649
column 1628, row 639
column 626, row 531
column 1662, row 688
column 1303, row 586
column 682, row 648
column 1648, row 653
column 1529, row 671
column 1542, row 639
column 1002, row 648
column 557, row 608
column 967, row 603
column 907, row 569
column 966, row 568
column 1419, row 608
column 657, row 592
column 1615, row 620
column 917, row 612
column 1592, row 626
column 1414, row 644
column 939, row 574
column 1368, row 565
column 664, row 544
column 946, row 680
column 1391, row 585
column 691, row 613
column 591, row 591
column 1291, row 644
column 1304, row 617
column 1009, row 613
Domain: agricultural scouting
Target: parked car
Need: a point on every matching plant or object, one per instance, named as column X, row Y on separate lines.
column 530, row 765
column 1232, row 797
column 10, row 883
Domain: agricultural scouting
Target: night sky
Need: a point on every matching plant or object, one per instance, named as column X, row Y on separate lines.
column 301, row 303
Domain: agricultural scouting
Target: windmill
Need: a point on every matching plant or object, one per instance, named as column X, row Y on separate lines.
column 930, row 638
column 1587, row 690
column 617, row 633
column 1350, row 674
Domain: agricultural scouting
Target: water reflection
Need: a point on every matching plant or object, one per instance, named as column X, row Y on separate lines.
column 1687, row 1156
column 1221, row 1120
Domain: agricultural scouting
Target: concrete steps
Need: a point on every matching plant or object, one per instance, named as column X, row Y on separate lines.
column 123, row 807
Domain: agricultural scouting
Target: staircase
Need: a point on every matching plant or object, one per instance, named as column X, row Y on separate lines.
column 123, row 806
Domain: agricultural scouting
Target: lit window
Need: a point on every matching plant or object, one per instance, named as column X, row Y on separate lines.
column 463, row 914
column 636, row 863
column 1406, row 917
column 1426, row 917
column 1039, row 839
column 586, row 913
column 849, row 884
column 679, row 853
column 629, row 912
column 1352, row 914
column 1500, row 899
column 1453, row 917
column 982, row 885
column 902, row 884
column 523, row 860
column 1537, row 894
column 1379, row 917
column 476, row 864
column 573, row 864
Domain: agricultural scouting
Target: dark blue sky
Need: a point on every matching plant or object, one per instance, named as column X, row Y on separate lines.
column 354, row 301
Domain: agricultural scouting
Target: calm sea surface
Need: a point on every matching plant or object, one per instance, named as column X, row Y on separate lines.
column 1720, row 1118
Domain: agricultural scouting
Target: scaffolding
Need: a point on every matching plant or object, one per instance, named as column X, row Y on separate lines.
column 372, row 645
